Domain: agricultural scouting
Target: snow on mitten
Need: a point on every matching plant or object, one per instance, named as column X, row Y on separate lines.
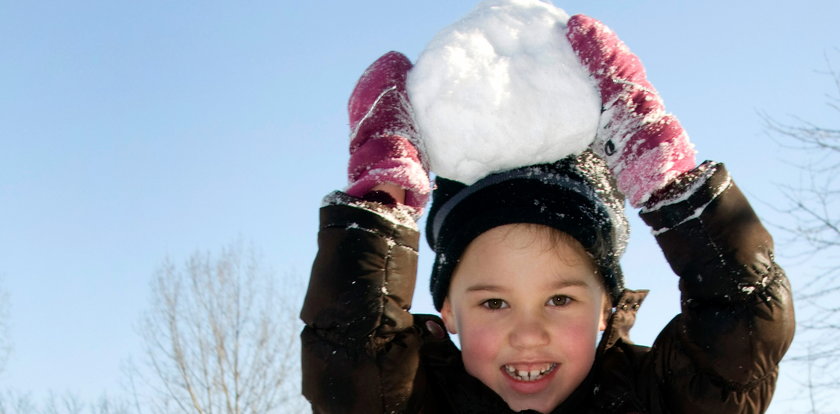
column 383, row 138
column 645, row 147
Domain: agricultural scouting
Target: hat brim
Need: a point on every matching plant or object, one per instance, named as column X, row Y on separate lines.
column 545, row 194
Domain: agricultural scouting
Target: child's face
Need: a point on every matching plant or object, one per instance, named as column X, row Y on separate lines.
column 528, row 311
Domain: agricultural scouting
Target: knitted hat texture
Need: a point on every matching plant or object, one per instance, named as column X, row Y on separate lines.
column 576, row 195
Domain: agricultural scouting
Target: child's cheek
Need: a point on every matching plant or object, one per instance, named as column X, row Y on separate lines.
column 480, row 347
column 577, row 337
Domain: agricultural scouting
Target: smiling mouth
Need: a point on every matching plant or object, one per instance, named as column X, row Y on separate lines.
column 533, row 374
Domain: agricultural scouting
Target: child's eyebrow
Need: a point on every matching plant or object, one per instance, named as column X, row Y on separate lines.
column 559, row 284
column 568, row 283
column 485, row 287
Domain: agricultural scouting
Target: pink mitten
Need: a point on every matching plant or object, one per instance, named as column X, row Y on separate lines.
column 383, row 138
column 644, row 146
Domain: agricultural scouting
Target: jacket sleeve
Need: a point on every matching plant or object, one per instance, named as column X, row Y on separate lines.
column 359, row 345
column 721, row 353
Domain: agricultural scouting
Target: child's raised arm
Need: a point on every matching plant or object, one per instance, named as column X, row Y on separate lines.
column 360, row 346
column 721, row 353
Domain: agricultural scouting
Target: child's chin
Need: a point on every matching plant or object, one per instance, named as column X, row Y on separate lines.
column 518, row 406
column 519, row 403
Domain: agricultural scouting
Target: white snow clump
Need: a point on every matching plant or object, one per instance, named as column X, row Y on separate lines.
column 500, row 89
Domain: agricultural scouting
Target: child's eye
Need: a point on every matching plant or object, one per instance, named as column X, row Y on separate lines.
column 494, row 304
column 559, row 300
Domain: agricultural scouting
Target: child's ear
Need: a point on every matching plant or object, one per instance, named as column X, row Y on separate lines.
column 448, row 317
column 602, row 325
column 605, row 314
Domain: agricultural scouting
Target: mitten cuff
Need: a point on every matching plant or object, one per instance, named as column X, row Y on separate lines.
column 405, row 172
column 686, row 197
column 399, row 214
column 641, row 172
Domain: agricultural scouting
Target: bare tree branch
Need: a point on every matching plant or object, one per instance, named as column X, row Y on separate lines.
column 5, row 338
column 813, row 207
column 220, row 339
column 68, row 403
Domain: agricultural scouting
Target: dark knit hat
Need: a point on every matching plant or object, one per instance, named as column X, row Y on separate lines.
column 575, row 195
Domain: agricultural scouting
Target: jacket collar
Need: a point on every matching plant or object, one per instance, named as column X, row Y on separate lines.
column 622, row 319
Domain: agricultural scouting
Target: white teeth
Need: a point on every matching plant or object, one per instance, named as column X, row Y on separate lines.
column 532, row 375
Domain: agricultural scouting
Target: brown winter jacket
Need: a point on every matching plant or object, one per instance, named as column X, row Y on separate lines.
column 363, row 352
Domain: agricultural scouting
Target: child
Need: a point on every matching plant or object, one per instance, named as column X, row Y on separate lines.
column 527, row 270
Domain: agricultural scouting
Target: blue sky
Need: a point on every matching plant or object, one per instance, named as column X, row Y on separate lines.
column 133, row 131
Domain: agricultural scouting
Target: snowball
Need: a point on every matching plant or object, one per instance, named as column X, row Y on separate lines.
column 500, row 89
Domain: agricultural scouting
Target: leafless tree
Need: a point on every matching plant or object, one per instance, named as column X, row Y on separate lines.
column 5, row 338
column 13, row 402
column 220, row 338
column 813, row 205
column 17, row 403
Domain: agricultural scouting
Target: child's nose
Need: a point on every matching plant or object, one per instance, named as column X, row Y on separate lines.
column 529, row 333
